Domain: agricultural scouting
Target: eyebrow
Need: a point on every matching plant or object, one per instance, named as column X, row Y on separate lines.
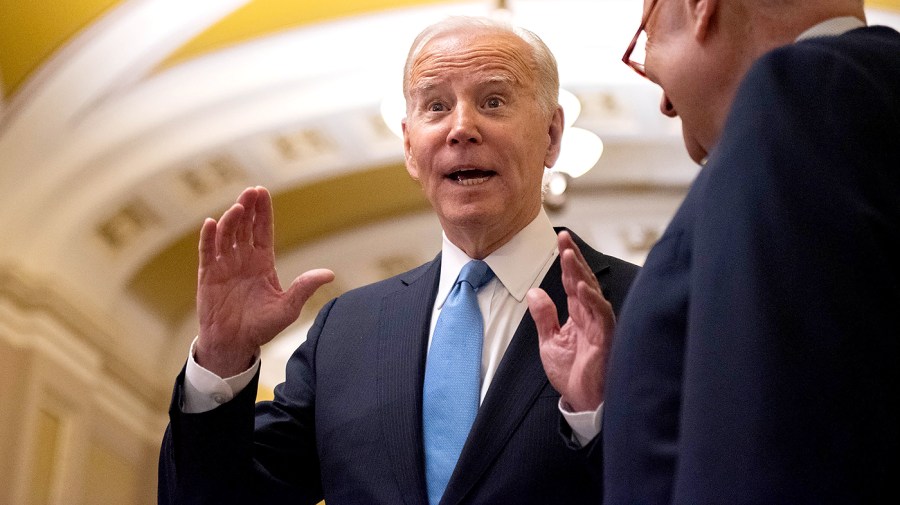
column 499, row 79
column 423, row 86
column 427, row 84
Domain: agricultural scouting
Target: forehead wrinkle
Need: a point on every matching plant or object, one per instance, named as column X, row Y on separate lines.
column 507, row 62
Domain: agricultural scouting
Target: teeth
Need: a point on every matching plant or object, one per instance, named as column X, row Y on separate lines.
column 472, row 182
column 471, row 177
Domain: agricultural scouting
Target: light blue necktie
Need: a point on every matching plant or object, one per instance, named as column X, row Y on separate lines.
column 453, row 378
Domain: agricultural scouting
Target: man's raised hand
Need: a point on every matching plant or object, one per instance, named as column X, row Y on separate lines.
column 240, row 302
column 575, row 354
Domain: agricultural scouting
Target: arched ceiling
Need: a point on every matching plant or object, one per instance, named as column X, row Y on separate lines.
column 30, row 32
column 124, row 124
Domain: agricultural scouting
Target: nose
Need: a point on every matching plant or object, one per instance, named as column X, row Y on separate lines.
column 464, row 129
column 666, row 107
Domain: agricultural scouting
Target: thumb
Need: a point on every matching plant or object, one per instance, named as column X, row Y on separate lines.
column 543, row 311
column 306, row 284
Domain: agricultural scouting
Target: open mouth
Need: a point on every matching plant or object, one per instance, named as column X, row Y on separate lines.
column 471, row 177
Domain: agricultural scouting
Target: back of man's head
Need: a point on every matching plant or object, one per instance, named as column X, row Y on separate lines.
column 783, row 20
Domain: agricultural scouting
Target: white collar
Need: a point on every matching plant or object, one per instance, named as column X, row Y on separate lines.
column 516, row 263
column 832, row 27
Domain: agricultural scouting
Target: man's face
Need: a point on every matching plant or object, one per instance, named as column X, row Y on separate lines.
column 697, row 76
column 475, row 135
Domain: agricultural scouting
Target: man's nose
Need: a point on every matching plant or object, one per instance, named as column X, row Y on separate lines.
column 666, row 107
column 465, row 126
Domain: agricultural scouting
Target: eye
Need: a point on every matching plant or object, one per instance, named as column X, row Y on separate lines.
column 436, row 107
column 493, row 103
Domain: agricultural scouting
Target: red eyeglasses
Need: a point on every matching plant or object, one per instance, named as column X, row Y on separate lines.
column 638, row 66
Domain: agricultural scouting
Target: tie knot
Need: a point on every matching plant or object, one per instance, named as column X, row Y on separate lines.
column 476, row 272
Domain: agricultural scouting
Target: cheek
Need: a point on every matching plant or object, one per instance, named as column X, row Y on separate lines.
column 419, row 157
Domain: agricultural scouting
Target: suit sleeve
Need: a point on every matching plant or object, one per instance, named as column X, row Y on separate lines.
column 241, row 452
column 790, row 376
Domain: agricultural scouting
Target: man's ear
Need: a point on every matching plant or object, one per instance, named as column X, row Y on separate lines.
column 557, row 123
column 411, row 166
column 701, row 14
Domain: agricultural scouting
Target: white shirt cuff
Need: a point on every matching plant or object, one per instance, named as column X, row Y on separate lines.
column 204, row 390
column 585, row 425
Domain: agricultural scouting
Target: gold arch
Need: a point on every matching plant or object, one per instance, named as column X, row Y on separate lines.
column 30, row 32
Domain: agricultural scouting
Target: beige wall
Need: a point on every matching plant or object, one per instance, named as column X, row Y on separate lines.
column 70, row 433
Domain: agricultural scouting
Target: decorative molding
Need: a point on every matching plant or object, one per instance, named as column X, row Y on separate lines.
column 120, row 403
column 127, row 224
column 82, row 341
column 303, row 145
column 212, row 174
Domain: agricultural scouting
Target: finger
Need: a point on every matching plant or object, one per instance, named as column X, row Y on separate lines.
column 207, row 245
column 543, row 311
column 565, row 240
column 244, row 232
column 306, row 284
column 593, row 313
column 594, row 301
column 227, row 228
column 263, row 222
column 583, row 270
column 586, row 305
column 569, row 272
column 592, row 298
column 575, row 270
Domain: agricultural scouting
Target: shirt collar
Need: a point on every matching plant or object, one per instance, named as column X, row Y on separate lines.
column 516, row 264
column 832, row 27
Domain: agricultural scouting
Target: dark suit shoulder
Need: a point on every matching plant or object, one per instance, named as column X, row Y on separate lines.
column 831, row 66
column 825, row 92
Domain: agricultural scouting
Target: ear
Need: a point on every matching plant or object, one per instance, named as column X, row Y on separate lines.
column 555, row 132
column 701, row 14
column 411, row 166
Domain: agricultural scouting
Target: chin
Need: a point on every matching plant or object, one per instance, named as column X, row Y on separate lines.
column 695, row 150
column 472, row 219
column 698, row 156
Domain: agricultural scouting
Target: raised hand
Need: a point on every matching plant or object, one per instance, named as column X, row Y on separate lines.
column 575, row 355
column 240, row 303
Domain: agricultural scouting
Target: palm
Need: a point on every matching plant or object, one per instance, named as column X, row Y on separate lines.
column 575, row 354
column 239, row 294
column 240, row 302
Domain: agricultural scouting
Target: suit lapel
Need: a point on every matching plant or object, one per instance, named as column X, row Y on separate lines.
column 403, row 337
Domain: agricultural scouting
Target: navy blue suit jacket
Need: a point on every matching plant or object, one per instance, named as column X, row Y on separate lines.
column 756, row 358
column 347, row 424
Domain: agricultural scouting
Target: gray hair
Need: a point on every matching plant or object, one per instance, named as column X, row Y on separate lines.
column 545, row 70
